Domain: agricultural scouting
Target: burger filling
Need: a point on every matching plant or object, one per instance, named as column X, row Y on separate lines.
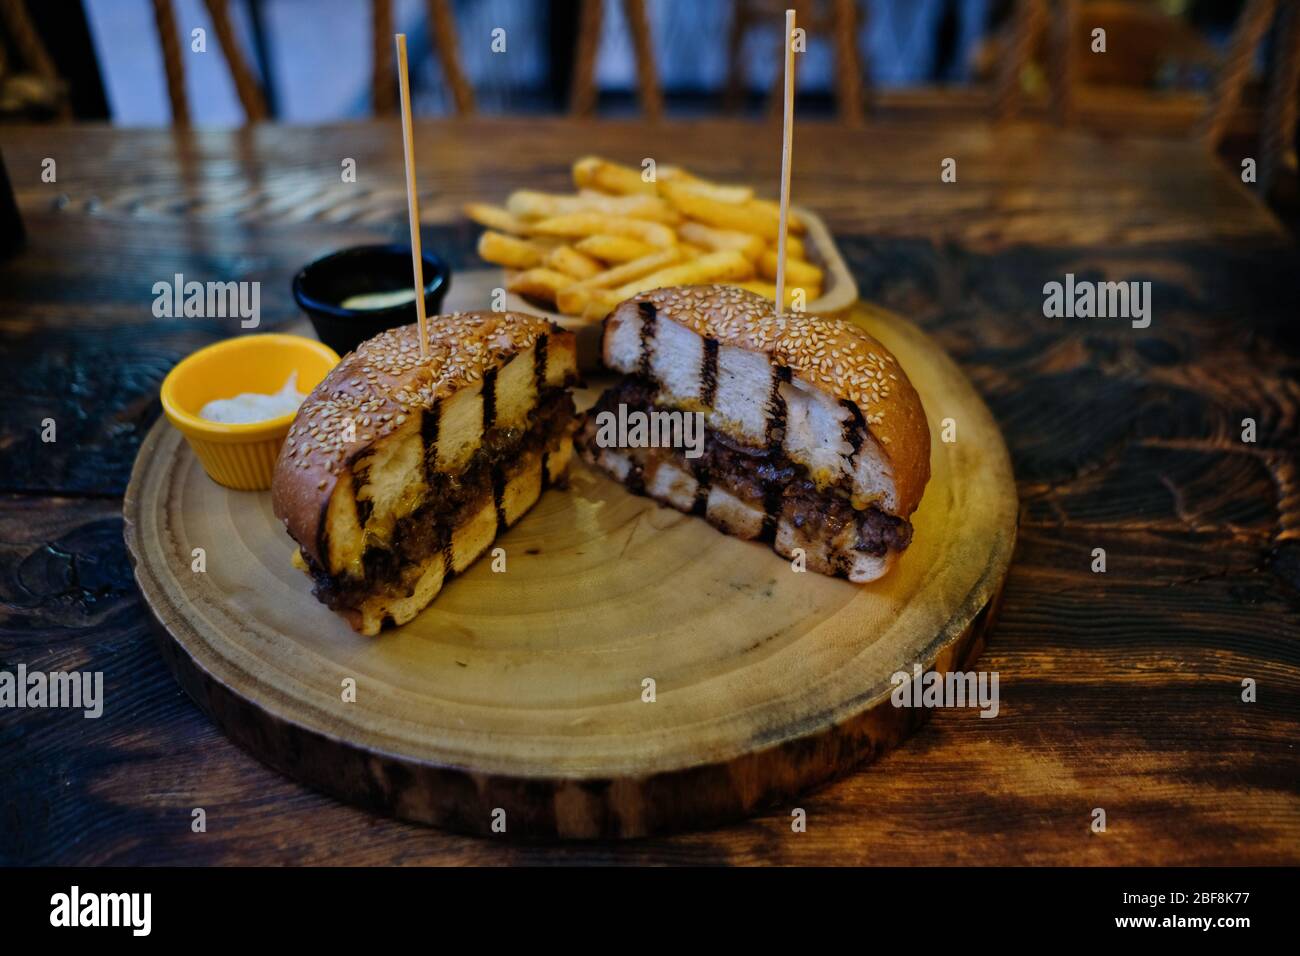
column 391, row 567
column 765, row 478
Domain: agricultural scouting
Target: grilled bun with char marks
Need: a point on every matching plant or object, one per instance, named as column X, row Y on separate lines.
column 399, row 471
column 814, row 437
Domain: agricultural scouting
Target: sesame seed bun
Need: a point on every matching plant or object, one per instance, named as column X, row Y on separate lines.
column 822, row 353
column 383, row 390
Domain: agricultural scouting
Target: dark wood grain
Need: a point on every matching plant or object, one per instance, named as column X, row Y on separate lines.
column 1119, row 690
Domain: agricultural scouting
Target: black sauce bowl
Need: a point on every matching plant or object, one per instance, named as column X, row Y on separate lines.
column 321, row 286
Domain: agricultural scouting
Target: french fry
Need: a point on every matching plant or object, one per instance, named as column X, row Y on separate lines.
column 797, row 272
column 572, row 299
column 714, row 267
column 735, row 195
column 613, row 248
column 772, row 208
column 746, row 243
column 743, row 217
column 508, row 251
column 568, row 260
column 494, row 217
column 602, row 303
column 539, row 283
column 527, row 204
column 794, row 248
column 592, row 172
column 768, row 290
column 675, row 174
column 619, row 235
column 591, row 224
column 612, row 278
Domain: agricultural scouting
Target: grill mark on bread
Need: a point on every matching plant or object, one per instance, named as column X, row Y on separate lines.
column 539, row 363
column 429, row 425
column 323, row 536
column 776, row 422
column 635, row 482
column 649, row 315
column 776, row 410
column 489, row 420
column 709, row 373
column 700, row 470
column 365, row 507
column 489, row 399
column 498, row 498
column 448, row 558
column 855, row 427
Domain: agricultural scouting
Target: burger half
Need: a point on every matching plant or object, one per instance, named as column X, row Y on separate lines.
column 401, row 469
column 815, row 440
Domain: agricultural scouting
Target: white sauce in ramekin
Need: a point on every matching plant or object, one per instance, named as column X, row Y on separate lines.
column 249, row 407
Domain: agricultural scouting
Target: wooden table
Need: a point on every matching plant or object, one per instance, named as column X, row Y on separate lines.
column 1120, row 690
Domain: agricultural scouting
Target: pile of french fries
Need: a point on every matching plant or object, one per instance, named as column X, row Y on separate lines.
column 623, row 233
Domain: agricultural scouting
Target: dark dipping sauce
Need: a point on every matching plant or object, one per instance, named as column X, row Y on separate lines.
column 321, row 287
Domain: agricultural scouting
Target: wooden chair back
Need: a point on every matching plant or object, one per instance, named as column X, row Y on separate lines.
column 1060, row 34
column 443, row 38
column 246, row 87
column 591, row 18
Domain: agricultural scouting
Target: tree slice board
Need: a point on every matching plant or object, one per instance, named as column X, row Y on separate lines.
column 519, row 697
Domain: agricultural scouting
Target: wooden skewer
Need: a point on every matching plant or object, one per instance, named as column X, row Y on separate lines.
column 787, row 146
column 412, row 203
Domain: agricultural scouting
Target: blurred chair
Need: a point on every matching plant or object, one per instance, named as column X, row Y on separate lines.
column 591, row 16
column 1278, row 125
column 442, row 35
column 169, row 38
column 836, row 19
column 1049, row 47
column 34, row 90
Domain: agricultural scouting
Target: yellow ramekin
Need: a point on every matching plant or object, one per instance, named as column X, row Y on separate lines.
column 241, row 456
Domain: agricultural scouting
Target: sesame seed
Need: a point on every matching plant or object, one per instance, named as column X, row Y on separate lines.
column 378, row 386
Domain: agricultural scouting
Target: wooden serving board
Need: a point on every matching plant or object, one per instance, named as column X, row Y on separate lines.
column 523, row 691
